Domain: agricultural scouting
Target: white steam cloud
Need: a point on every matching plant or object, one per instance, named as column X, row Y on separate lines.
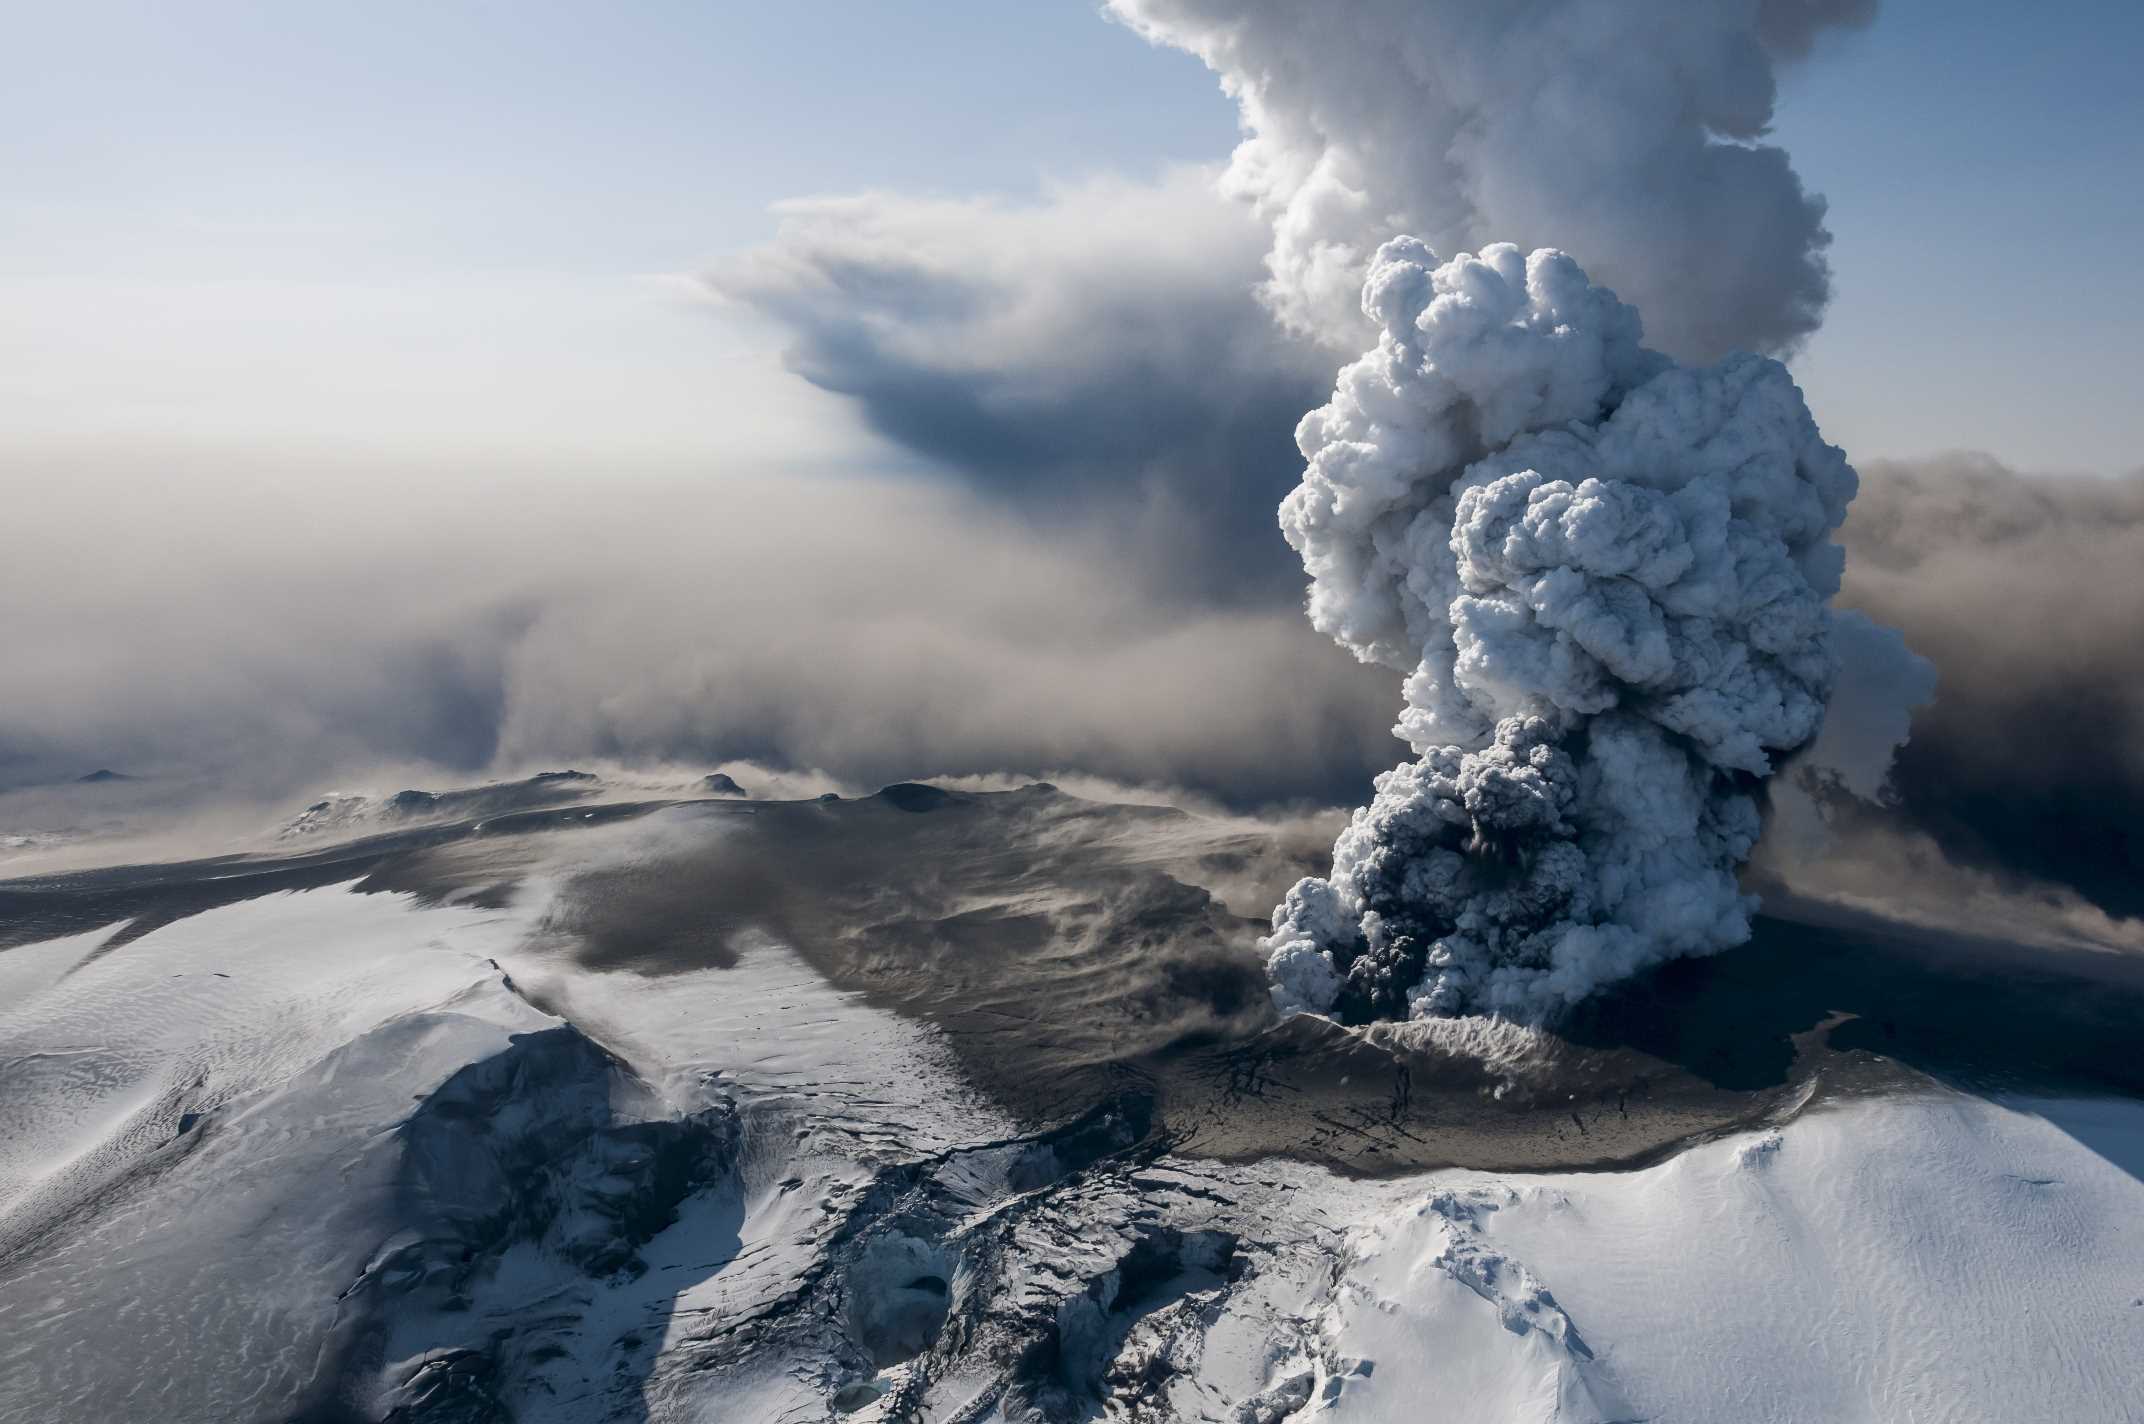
column 1605, row 578
column 1629, row 134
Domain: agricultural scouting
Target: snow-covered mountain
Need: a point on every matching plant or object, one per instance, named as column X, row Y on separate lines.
column 965, row 1107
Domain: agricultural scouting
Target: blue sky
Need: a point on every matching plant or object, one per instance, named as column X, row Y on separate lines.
column 456, row 227
column 1985, row 166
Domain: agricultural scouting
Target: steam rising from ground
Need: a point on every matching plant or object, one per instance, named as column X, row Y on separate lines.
column 1604, row 577
column 1628, row 134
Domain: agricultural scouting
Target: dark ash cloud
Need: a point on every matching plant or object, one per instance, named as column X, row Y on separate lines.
column 1097, row 355
column 2025, row 591
column 1790, row 29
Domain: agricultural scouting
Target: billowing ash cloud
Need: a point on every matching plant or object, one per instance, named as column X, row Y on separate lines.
column 1627, row 134
column 2024, row 589
column 1100, row 349
column 1604, row 576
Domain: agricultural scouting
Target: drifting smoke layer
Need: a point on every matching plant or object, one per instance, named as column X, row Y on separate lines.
column 2032, row 760
column 1094, row 355
column 1605, row 577
column 1628, row 133
column 462, row 623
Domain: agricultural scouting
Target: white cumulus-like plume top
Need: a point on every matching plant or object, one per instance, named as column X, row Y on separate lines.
column 1630, row 132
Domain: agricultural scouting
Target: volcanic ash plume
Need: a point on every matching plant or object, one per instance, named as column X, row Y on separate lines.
column 1631, row 131
column 1605, row 577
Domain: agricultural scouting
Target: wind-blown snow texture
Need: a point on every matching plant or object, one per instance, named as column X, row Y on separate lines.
column 1604, row 576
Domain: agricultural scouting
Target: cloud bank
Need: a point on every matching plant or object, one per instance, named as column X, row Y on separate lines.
column 1096, row 353
column 215, row 631
column 225, row 629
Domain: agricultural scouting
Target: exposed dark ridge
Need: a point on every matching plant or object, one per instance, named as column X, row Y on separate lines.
column 916, row 1272
column 529, row 1147
column 1068, row 1370
column 917, row 796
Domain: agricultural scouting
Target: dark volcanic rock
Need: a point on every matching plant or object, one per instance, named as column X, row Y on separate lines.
column 552, row 1148
column 720, row 783
column 916, row 796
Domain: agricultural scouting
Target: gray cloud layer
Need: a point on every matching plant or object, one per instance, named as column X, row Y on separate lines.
column 875, row 630
column 227, row 629
column 1096, row 352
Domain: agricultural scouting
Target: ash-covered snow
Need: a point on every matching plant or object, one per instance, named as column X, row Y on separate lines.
column 1932, row 1257
column 371, row 1153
